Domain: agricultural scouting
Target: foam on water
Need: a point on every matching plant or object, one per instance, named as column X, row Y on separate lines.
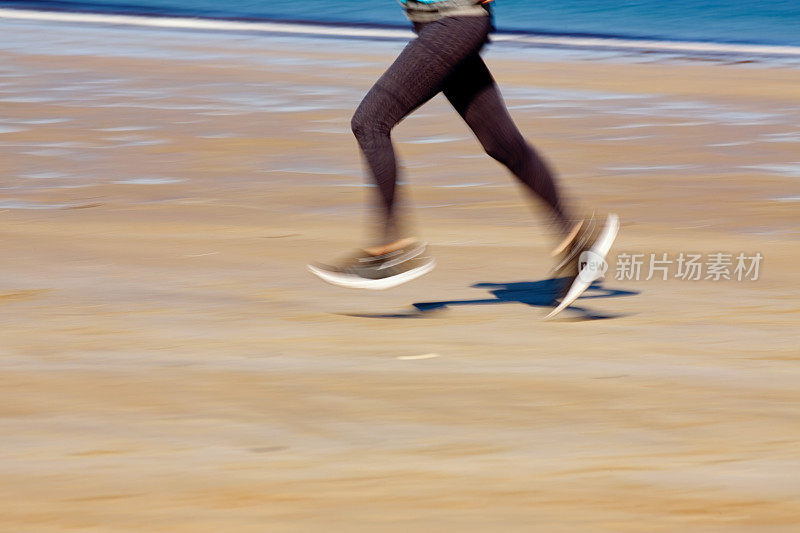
column 628, row 138
column 649, row 168
column 318, row 170
column 791, row 170
column 433, row 140
column 12, row 204
column 631, row 126
column 565, row 116
column 134, row 140
column 681, row 114
column 219, row 136
column 42, row 121
column 461, row 185
column 733, row 143
column 45, row 176
column 149, row 181
column 49, row 152
column 791, row 137
column 335, row 131
column 570, row 95
column 28, row 100
column 127, row 128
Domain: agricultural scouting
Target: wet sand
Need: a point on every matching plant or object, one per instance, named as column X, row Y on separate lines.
column 167, row 364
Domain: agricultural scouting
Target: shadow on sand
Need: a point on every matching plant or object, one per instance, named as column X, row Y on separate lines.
column 540, row 293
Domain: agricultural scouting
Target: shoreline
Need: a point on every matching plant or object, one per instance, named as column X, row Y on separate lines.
column 581, row 42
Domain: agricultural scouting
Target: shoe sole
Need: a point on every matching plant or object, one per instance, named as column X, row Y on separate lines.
column 355, row 282
column 601, row 247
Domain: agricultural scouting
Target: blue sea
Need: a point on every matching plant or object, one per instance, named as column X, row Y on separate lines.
column 755, row 22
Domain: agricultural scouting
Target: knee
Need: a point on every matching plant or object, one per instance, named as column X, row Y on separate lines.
column 368, row 128
column 363, row 126
column 495, row 151
column 358, row 124
column 509, row 152
column 498, row 150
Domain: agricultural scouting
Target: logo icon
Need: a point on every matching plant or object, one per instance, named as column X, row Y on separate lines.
column 591, row 266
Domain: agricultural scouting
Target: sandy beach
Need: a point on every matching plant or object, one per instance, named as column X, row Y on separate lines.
column 168, row 365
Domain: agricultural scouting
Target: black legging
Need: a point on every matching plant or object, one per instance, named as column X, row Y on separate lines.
column 445, row 57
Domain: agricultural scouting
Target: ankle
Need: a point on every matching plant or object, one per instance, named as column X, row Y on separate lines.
column 570, row 236
column 391, row 247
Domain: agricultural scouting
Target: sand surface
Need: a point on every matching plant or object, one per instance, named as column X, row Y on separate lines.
column 167, row 364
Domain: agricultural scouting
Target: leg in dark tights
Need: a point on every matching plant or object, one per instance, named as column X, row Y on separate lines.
column 473, row 93
column 444, row 57
column 415, row 77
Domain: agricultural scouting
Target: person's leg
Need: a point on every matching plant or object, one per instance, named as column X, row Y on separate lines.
column 473, row 93
column 415, row 77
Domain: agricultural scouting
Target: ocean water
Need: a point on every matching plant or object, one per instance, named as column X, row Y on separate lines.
column 757, row 22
